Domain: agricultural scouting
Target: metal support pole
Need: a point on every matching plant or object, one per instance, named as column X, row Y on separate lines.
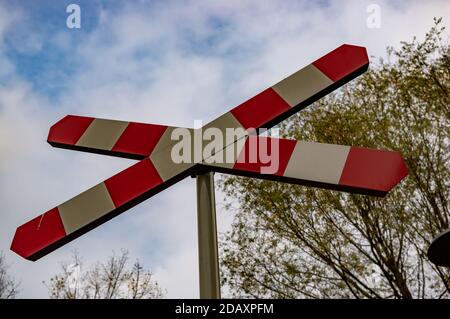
column 208, row 256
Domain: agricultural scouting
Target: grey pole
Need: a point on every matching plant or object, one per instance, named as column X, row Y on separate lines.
column 208, row 256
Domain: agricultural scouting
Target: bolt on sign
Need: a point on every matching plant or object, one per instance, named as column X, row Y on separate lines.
column 343, row 168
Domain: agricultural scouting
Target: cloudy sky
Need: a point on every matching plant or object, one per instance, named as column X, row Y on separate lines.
column 158, row 62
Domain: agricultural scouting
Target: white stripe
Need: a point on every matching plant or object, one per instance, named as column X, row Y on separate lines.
column 317, row 162
column 85, row 208
column 301, row 85
column 102, row 134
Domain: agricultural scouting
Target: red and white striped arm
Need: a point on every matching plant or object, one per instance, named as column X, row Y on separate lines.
column 297, row 91
column 137, row 140
column 344, row 168
column 71, row 219
column 117, row 138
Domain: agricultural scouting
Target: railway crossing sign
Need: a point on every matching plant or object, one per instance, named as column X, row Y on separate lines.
column 343, row 168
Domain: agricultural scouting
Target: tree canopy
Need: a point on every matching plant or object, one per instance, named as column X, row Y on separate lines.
column 112, row 279
column 290, row 241
column 8, row 287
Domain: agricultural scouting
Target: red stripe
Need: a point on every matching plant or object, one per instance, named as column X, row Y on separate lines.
column 69, row 129
column 139, row 139
column 132, row 182
column 260, row 109
column 342, row 61
column 373, row 169
column 38, row 233
column 285, row 149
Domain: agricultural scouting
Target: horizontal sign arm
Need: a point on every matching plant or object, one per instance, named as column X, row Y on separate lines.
column 343, row 168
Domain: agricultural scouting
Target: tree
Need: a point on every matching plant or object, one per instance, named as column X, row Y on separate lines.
column 109, row 280
column 8, row 287
column 290, row 241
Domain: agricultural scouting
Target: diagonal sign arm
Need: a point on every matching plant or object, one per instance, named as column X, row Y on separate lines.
column 297, row 91
column 110, row 137
column 266, row 109
column 95, row 206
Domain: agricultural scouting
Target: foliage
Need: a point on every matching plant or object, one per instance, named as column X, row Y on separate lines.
column 109, row 280
column 8, row 287
column 290, row 241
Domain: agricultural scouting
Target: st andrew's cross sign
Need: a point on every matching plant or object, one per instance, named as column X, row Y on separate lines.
column 343, row 168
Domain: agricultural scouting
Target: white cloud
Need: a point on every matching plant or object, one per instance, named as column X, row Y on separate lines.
column 157, row 67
